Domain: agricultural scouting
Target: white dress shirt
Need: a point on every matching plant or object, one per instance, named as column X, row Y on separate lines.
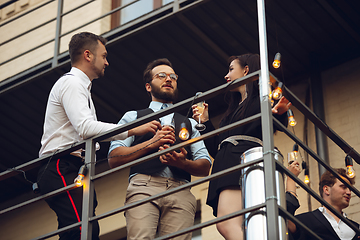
column 70, row 114
column 342, row 229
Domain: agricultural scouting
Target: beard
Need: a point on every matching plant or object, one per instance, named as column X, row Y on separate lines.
column 163, row 95
column 99, row 72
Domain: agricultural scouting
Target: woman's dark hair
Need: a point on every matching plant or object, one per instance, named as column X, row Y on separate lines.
column 252, row 88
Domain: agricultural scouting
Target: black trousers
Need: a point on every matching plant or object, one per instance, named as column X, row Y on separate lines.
column 67, row 206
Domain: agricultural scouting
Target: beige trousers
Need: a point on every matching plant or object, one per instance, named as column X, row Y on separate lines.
column 162, row 216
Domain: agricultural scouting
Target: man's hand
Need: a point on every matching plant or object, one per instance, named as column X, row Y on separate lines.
column 173, row 158
column 152, row 127
column 282, row 106
column 164, row 136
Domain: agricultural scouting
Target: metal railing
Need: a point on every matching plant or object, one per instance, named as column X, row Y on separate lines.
column 270, row 165
column 59, row 59
column 88, row 144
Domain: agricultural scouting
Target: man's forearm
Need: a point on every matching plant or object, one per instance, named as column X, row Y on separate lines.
column 122, row 155
column 199, row 167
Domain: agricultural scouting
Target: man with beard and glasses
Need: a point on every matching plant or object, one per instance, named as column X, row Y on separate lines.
column 176, row 211
column 70, row 117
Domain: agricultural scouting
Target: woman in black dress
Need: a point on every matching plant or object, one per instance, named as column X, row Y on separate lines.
column 224, row 194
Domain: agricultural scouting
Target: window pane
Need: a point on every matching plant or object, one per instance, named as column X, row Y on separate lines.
column 166, row 1
column 135, row 10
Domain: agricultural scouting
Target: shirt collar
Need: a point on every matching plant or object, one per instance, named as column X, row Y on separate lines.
column 324, row 211
column 156, row 106
column 85, row 80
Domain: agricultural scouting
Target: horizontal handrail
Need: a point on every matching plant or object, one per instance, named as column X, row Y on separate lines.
column 315, row 156
column 287, row 215
column 175, row 108
column 213, row 221
column 44, row 23
column 25, row 13
column 316, row 196
column 177, row 189
column 320, row 124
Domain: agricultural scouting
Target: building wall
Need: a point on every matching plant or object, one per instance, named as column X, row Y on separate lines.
column 45, row 33
column 340, row 96
column 341, row 102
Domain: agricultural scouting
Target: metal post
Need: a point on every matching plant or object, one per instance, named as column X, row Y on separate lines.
column 272, row 211
column 57, row 33
column 176, row 5
column 88, row 191
column 318, row 105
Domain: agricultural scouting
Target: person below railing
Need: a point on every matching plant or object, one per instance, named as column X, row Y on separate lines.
column 224, row 194
column 322, row 221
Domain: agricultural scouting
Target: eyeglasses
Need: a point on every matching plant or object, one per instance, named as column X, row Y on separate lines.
column 163, row 76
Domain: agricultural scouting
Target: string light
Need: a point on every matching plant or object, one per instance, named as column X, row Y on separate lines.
column 292, row 121
column 307, row 180
column 81, row 175
column 304, row 166
column 271, row 98
column 184, row 133
column 350, row 172
column 277, row 60
column 277, row 94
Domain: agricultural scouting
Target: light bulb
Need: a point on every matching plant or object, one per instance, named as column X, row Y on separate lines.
column 184, row 133
column 292, row 121
column 306, row 180
column 277, row 94
column 81, row 175
column 271, row 98
column 277, row 60
column 350, row 172
column 79, row 179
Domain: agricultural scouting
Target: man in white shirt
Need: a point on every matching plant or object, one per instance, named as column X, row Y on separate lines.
column 70, row 117
column 322, row 221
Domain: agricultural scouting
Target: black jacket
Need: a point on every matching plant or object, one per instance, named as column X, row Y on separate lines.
column 316, row 222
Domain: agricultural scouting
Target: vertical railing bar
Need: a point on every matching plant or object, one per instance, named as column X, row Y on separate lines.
column 272, row 211
column 57, row 33
column 88, row 191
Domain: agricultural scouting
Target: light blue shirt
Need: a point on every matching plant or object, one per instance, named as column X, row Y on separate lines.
column 198, row 149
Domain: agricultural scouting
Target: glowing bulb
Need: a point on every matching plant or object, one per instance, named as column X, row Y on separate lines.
column 350, row 172
column 271, row 99
column 81, row 175
column 278, row 91
column 277, row 60
column 306, row 180
column 304, row 166
column 184, row 133
column 292, row 121
column 79, row 179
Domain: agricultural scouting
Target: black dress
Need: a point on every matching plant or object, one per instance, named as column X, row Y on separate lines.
column 229, row 155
